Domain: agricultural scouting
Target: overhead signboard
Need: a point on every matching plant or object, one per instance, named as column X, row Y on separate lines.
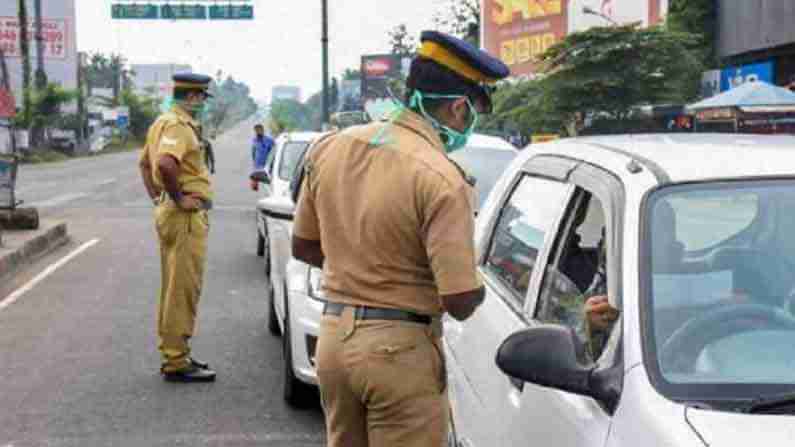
column 133, row 11
column 183, row 12
column 231, row 12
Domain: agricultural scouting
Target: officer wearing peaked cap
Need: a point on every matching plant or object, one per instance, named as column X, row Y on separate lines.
column 395, row 242
column 176, row 178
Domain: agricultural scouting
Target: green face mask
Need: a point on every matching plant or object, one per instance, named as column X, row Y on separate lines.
column 453, row 139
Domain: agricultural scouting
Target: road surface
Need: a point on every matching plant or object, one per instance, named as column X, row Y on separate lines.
column 78, row 359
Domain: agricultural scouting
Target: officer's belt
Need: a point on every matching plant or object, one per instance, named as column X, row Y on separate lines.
column 375, row 313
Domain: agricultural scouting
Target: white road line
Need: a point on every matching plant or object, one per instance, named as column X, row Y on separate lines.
column 10, row 299
column 107, row 182
column 58, row 200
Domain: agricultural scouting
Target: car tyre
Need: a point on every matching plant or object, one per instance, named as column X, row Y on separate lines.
column 296, row 393
column 260, row 245
column 273, row 319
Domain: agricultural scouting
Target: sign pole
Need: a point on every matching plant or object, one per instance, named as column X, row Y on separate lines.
column 324, row 41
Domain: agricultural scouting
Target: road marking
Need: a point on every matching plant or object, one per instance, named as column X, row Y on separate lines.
column 58, row 200
column 10, row 299
column 107, row 182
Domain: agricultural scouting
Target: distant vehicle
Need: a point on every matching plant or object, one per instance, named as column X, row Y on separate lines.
column 298, row 302
column 690, row 236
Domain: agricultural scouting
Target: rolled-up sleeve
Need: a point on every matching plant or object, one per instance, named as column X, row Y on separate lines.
column 306, row 224
column 448, row 233
column 173, row 142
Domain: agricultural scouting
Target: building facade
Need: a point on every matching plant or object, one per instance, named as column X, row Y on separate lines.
column 156, row 79
column 59, row 42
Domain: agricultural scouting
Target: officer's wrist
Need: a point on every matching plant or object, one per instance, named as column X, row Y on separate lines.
column 176, row 196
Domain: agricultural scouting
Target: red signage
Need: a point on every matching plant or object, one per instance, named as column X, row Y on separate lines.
column 54, row 37
column 377, row 67
column 7, row 104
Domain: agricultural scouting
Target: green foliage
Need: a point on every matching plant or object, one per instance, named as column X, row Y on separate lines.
column 401, row 42
column 143, row 112
column 606, row 71
column 231, row 103
column 698, row 17
column 460, row 18
column 290, row 115
column 351, row 74
column 46, row 106
column 521, row 106
column 108, row 71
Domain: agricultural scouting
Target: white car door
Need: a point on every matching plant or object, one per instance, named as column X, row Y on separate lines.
column 550, row 416
column 483, row 399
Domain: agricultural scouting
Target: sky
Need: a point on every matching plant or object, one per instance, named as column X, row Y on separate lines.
column 281, row 46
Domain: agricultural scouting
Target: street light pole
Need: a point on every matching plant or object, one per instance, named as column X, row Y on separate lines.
column 324, row 41
column 593, row 12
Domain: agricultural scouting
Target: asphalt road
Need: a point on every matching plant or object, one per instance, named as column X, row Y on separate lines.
column 78, row 358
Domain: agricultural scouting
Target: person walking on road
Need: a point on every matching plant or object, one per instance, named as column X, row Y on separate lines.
column 390, row 219
column 261, row 147
column 177, row 180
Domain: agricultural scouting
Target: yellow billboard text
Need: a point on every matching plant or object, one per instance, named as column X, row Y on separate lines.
column 505, row 10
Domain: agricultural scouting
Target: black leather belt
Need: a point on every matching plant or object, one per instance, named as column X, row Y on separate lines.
column 375, row 313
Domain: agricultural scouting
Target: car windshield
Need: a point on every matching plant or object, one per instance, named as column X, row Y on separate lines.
column 292, row 154
column 485, row 164
column 720, row 289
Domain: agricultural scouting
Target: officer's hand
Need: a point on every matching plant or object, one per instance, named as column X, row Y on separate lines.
column 190, row 202
column 599, row 312
column 254, row 185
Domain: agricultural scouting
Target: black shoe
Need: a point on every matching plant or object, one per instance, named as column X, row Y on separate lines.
column 190, row 374
column 199, row 363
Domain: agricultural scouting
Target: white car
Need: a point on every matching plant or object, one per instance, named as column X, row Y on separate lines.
column 275, row 203
column 299, row 315
column 690, row 237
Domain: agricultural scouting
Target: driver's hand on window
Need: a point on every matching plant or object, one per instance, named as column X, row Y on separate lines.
column 599, row 312
column 254, row 185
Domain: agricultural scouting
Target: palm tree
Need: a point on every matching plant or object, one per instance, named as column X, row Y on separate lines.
column 41, row 74
column 24, row 48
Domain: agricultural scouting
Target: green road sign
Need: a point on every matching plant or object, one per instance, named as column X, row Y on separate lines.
column 183, row 12
column 127, row 11
column 231, row 12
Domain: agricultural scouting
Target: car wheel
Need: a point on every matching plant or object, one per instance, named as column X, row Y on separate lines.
column 260, row 244
column 296, row 393
column 273, row 318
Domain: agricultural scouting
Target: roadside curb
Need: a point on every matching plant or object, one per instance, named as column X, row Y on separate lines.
column 49, row 238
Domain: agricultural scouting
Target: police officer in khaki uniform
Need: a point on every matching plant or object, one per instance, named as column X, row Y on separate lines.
column 390, row 218
column 175, row 174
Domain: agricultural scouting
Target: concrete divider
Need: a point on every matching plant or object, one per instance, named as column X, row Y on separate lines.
column 21, row 248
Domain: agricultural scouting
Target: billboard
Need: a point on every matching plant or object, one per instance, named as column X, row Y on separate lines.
column 733, row 77
column 519, row 31
column 379, row 71
column 55, row 37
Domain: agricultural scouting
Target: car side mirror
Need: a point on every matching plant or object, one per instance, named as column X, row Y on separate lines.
column 261, row 175
column 548, row 355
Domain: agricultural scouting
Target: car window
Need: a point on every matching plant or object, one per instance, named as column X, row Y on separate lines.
column 485, row 164
column 579, row 272
column 291, row 154
column 699, row 211
column 526, row 218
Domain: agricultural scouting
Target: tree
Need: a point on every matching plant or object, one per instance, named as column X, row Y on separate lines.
column 143, row 112
column 24, row 48
column 460, row 18
column 41, row 73
column 351, row 74
column 289, row 115
column 697, row 17
column 46, row 107
column 401, row 43
column 608, row 71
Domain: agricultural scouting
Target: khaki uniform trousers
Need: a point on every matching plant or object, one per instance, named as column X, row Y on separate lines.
column 183, row 253
column 382, row 383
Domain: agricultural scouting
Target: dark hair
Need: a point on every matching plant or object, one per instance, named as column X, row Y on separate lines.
column 428, row 76
column 259, row 126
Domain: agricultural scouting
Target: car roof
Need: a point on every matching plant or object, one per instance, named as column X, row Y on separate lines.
column 300, row 136
column 686, row 157
column 480, row 140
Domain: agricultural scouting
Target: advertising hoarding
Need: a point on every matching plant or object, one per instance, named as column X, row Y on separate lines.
column 519, row 31
column 54, row 32
column 378, row 72
column 736, row 76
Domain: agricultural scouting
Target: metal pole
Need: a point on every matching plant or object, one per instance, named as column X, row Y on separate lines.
column 324, row 41
column 41, row 74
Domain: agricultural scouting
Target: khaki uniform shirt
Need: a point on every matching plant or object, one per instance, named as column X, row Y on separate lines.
column 395, row 219
column 175, row 133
